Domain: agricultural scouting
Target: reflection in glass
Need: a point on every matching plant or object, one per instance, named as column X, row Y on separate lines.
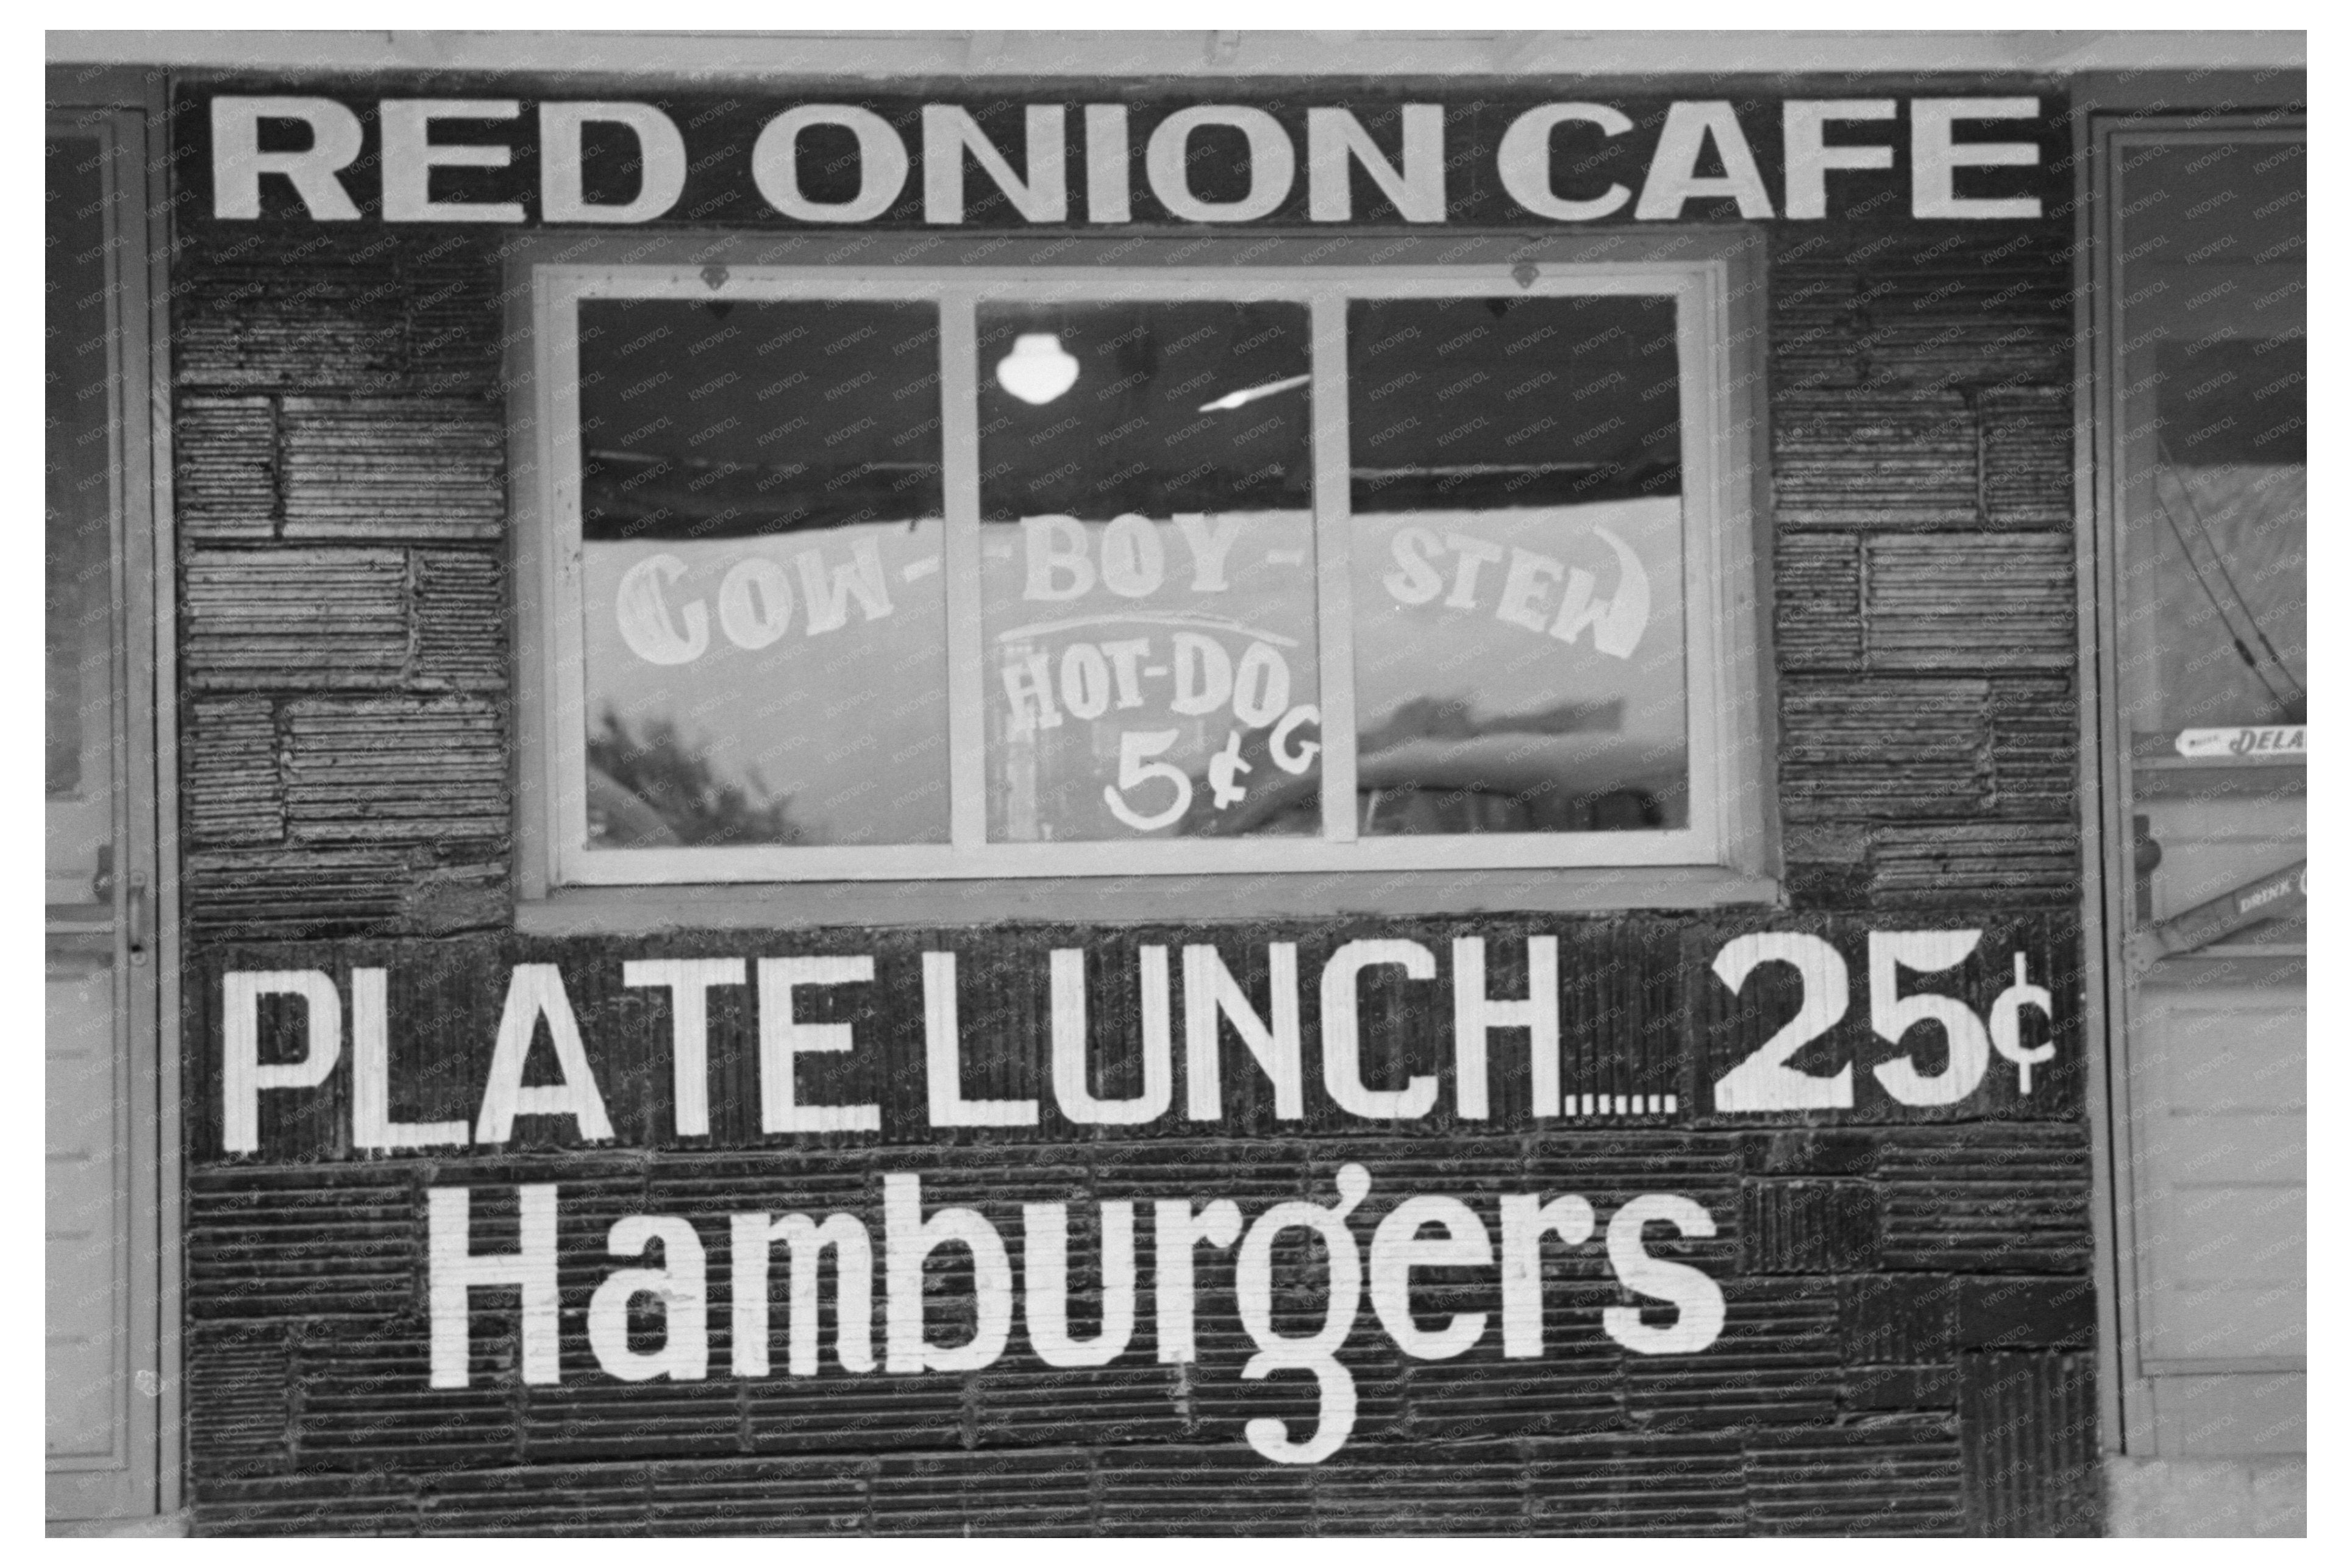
column 1148, row 571
column 1516, row 481
column 764, row 615
column 79, row 549
column 2211, row 448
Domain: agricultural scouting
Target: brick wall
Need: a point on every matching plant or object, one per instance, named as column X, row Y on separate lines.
column 1909, row 1343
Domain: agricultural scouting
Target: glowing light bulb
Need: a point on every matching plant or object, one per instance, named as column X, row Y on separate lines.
column 1038, row 370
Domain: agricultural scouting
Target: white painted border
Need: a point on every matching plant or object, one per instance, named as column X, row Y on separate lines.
column 1712, row 493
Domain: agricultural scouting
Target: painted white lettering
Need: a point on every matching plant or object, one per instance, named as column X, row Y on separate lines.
column 1763, row 1081
column 1471, row 554
column 1524, row 586
column 1967, row 1048
column 238, row 161
column 410, row 156
column 1526, row 1218
column 1107, row 182
column 1399, row 1248
column 1415, row 186
column 371, row 1124
column 1272, row 164
column 1136, row 770
column 454, row 1271
column 1085, row 681
column 1055, row 548
column 943, row 1058
column 1133, row 563
column 1291, row 760
column 1698, row 1299
column 1934, row 157
column 1175, row 1231
column 536, row 992
column 750, row 1236
column 783, row 1040
column 244, row 1075
column 1029, row 688
column 1674, row 176
column 950, row 132
column 642, row 614
column 881, row 163
column 1343, row 1073
column 1317, row 1353
column 828, row 595
column 1617, row 623
column 688, row 982
column 755, row 603
column 1415, row 581
column 1523, row 159
column 1068, row 967
column 1475, row 1015
column 1045, row 1271
column 1211, row 994
column 1808, row 157
column 1210, row 544
column 661, row 163
column 679, row 1287
column 1124, row 656
column 1204, row 675
column 907, row 1239
column 1261, row 686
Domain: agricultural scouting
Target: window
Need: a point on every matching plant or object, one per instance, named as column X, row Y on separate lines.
column 906, row 571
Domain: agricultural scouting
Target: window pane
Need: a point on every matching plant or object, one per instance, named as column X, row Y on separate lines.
column 765, row 623
column 79, row 548
column 2212, row 446
column 2215, row 439
column 1148, row 571
column 1516, row 485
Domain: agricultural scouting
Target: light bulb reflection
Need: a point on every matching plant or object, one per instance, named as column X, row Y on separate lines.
column 1038, row 370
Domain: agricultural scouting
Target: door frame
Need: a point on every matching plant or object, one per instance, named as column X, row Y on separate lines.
column 127, row 107
column 2105, row 106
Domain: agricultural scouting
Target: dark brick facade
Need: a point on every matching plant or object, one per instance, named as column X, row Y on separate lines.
column 1909, row 1343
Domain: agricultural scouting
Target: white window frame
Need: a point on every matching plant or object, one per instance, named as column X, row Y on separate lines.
column 1720, row 466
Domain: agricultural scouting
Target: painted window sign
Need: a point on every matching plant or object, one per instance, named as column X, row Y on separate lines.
column 1001, row 572
column 1193, row 1035
column 762, row 548
column 750, row 161
column 1148, row 569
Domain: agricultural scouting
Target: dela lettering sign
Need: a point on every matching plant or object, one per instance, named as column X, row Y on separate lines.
column 1286, row 1157
column 1224, row 155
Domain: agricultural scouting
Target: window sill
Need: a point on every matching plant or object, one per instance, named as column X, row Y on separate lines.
column 580, row 911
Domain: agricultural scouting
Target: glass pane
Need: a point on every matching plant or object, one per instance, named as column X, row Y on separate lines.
column 765, row 619
column 1515, row 484
column 2212, row 439
column 80, row 533
column 2214, row 419
column 1148, row 571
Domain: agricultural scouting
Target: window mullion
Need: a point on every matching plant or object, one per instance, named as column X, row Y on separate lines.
column 1334, row 613
column 559, row 447
column 966, row 671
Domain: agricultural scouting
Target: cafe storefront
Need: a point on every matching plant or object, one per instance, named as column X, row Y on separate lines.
column 1266, row 790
